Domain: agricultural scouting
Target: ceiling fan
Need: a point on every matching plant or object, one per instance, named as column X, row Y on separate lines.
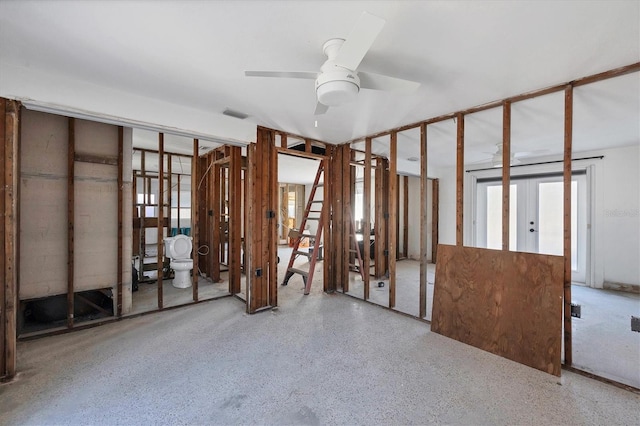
column 338, row 82
column 496, row 156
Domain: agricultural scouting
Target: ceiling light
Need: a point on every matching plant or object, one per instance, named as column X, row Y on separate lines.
column 235, row 114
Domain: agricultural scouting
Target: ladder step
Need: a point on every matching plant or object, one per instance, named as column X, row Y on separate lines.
column 308, row 235
column 303, row 253
column 313, row 218
column 317, row 201
column 298, row 271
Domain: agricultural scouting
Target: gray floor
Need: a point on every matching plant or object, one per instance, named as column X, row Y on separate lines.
column 318, row 359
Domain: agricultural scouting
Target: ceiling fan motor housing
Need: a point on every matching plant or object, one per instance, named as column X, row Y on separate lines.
column 337, row 86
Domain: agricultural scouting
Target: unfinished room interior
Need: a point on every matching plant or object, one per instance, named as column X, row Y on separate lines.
column 319, row 212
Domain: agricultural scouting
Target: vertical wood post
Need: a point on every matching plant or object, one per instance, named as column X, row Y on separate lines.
column 71, row 152
column 160, row 228
column 195, row 220
column 460, row 180
column 235, row 218
column 435, row 208
column 393, row 216
column 379, row 221
column 9, row 135
column 119, row 267
column 272, row 220
column 424, row 180
column 405, row 217
column 214, row 249
column 366, row 226
column 506, row 171
column 568, row 142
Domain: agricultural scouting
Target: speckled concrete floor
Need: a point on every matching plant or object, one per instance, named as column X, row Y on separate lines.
column 318, row 359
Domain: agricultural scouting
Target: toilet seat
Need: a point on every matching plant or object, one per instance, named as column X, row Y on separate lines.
column 179, row 247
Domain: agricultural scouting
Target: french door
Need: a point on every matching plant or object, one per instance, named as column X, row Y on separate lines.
column 536, row 217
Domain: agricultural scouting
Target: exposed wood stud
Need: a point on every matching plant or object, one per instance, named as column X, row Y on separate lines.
column 568, row 146
column 307, row 145
column 366, row 226
column 405, row 218
column 460, row 180
column 424, row 180
column 214, row 249
column 435, row 209
column 160, row 228
column 235, row 219
column 393, row 216
column 119, row 267
column 380, row 221
column 70, row 219
column 195, row 219
column 9, row 159
column 272, row 229
column 506, row 171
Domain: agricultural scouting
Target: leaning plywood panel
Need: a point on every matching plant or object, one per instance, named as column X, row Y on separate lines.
column 507, row 303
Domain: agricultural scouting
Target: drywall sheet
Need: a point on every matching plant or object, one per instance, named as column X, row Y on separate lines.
column 507, row 303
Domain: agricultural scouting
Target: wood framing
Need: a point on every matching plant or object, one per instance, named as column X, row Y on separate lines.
column 366, row 225
column 506, row 171
column 195, row 219
column 119, row 266
column 460, row 181
column 424, row 231
column 160, row 228
column 262, row 205
column 507, row 303
column 405, row 217
column 435, row 222
column 393, row 217
column 235, row 219
column 568, row 142
column 380, row 259
column 9, row 143
column 71, row 147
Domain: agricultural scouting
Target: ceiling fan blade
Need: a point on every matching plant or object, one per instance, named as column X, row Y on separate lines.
column 383, row 82
column 283, row 74
column 359, row 41
column 320, row 109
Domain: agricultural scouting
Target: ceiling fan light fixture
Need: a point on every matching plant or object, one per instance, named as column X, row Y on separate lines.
column 338, row 87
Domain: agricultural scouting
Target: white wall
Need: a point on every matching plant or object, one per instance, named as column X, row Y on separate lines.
column 414, row 219
column 620, row 210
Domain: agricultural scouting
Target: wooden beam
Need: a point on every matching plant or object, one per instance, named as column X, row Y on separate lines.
column 160, row 228
column 424, row 180
column 379, row 219
column 71, row 144
column 119, row 266
column 435, row 226
column 616, row 72
column 393, row 216
column 252, row 240
column 283, row 140
column 96, row 159
column 9, row 159
column 460, row 180
column 235, row 219
column 5, row 286
column 307, row 145
column 405, row 219
column 273, row 221
column 195, row 218
column 366, row 226
column 329, row 278
column 303, row 154
column 568, row 142
column 214, row 260
column 506, row 171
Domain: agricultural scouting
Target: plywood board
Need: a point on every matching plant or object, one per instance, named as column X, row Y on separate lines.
column 506, row 303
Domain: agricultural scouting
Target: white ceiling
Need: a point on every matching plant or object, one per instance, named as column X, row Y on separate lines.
column 464, row 53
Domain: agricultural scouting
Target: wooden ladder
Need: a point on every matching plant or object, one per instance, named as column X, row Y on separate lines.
column 314, row 239
column 355, row 249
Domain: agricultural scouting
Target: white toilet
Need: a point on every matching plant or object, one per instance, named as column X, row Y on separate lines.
column 179, row 248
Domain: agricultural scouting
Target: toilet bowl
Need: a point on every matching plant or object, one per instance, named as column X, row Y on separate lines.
column 178, row 249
